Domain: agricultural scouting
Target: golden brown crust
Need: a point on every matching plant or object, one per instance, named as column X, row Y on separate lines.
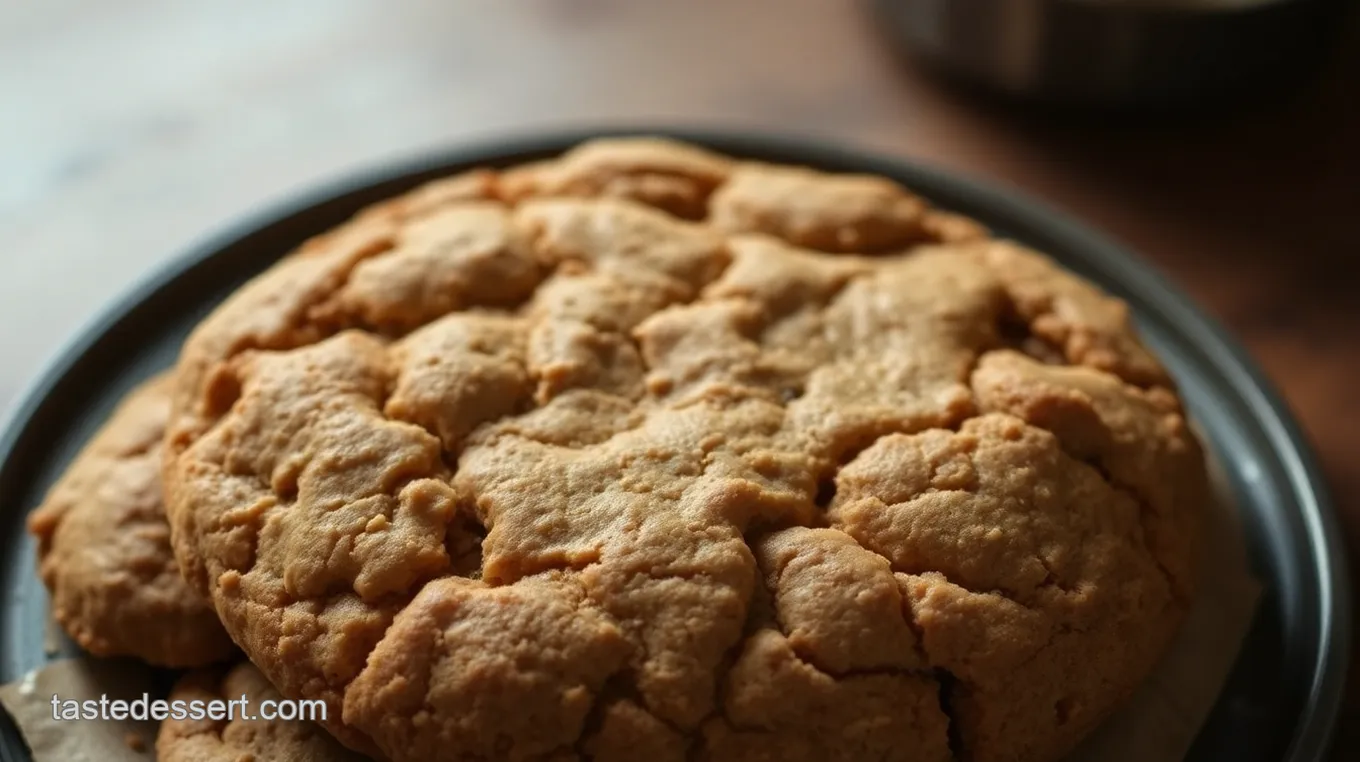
column 104, row 547
column 662, row 173
column 584, row 485
column 837, row 213
column 238, row 740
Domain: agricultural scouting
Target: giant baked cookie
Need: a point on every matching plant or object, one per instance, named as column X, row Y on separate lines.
column 104, row 547
column 647, row 453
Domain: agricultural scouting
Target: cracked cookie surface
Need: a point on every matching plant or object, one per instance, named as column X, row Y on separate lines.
column 104, row 546
column 648, row 448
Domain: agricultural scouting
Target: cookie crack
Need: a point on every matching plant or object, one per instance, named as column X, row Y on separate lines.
column 594, row 721
column 1145, row 512
column 339, row 688
column 697, row 296
column 693, row 294
column 450, row 452
column 774, row 618
column 720, row 670
column 757, row 617
column 1144, row 520
column 847, row 455
column 491, row 432
column 394, row 605
column 899, row 569
column 1059, row 629
column 1016, row 331
column 303, row 327
column 550, row 565
column 621, row 686
column 1051, row 579
column 948, row 684
column 346, row 586
column 836, row 677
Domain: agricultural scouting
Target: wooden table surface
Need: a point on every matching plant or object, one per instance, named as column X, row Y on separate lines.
column 130, row 128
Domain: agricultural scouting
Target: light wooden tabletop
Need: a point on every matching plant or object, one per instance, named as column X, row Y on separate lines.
column 131, row 128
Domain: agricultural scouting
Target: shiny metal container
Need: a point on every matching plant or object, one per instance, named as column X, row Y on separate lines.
column 1117, row 53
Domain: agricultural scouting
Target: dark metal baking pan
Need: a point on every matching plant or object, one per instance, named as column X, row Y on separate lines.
column 1283, row 696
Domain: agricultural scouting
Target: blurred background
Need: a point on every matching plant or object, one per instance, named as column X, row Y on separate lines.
column 132, row 128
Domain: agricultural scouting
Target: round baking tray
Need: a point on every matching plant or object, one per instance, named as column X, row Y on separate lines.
column 1282, row 698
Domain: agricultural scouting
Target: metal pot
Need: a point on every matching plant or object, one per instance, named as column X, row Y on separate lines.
column 1116, row 53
